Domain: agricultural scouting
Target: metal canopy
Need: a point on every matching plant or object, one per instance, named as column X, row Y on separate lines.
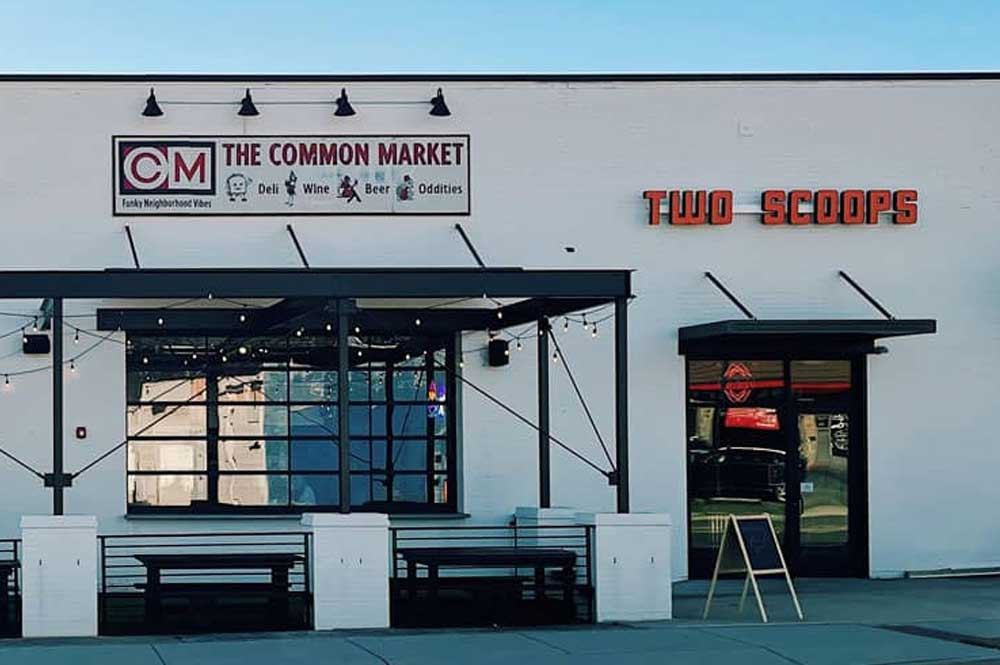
column 316, row 283
column 781, row 334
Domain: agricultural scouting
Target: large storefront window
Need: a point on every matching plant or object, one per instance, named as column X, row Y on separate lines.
column 252, row 426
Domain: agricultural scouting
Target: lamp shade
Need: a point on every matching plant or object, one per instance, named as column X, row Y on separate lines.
column 152, row 109
column 344, row 107
column 247, row 108
column 438, row 107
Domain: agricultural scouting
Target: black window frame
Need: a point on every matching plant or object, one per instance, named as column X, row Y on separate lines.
column 437, row 472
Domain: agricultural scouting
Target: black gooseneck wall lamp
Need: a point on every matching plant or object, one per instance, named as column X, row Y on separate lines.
column 438, row 107
column 344, row 107
column 152, row 109
column 247, row 108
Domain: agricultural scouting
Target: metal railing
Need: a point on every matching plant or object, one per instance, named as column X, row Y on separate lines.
column 472, row 595
column 10, row 607
column 224, row 599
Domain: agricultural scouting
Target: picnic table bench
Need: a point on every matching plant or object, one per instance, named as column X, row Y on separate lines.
column 537, row 558
column 155, row 588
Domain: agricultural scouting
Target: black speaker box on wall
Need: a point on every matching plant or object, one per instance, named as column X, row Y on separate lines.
column 499, row 352
column 34, row 345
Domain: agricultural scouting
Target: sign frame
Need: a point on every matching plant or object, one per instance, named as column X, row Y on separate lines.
column 115, row 175
column 744, row 564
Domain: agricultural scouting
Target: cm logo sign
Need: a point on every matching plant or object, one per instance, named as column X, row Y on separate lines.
column 166, row 167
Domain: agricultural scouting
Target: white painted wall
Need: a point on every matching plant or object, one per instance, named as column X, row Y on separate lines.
column 557, row 164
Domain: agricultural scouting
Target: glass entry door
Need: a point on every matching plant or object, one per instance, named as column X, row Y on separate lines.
column 778, row 437
column 824, row 416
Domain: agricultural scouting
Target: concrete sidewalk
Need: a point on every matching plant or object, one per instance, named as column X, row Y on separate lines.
column 854, row 622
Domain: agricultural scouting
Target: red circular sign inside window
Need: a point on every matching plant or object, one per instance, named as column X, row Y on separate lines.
column 737, row 382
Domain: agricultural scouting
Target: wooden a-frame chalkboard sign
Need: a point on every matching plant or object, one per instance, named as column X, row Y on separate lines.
column 750, row 545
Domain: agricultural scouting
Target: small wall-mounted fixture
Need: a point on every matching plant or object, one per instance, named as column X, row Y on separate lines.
column 35, row 345
column 438, row 107
column 247, row 108
column 499, row 352
column 152, row 109
column 81, row 433
column 344, row 107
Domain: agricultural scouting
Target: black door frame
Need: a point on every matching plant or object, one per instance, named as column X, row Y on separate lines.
column 858, row 565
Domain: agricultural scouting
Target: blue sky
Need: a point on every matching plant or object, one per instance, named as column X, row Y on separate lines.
column 344, row 36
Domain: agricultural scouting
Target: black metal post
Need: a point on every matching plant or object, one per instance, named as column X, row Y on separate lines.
column 544, row 445
column 867, row 296
column 621, row 402
column 733, row 299
column 298, row 247
column 343, row 404
column 57, row 406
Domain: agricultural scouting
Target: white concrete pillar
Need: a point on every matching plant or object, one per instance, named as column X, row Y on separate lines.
column 534, row 516
column 631, row 560
column 59, row 576
column 349, row 569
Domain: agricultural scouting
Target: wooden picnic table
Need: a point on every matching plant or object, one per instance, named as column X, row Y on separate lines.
column 278, row 563
column 536, row 558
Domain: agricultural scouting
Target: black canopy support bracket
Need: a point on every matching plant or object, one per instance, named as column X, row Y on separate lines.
column 469, row 245
column 131, row 246
column 726, row 292
column 867, row 296
column 298, row 246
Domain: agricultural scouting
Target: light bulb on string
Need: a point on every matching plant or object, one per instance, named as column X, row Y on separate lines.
column 76, row 336
column 243, row 318
column 329, row 327
column 359, row 353
column 34, row 325
column 145, row 360
column 565, row 325
column 499, row 313
column 224, row 358
column 159, row 321
column 72, row 365
column 520, row 347
column 357, row 330
column 24, row 336
column 555, row 356
column 417, row 321
column 243, row 350
column 593, row 332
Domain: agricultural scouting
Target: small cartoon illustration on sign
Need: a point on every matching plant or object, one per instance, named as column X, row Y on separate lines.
column 347, row 189
column 237, row 186
column 290, row 188
column 404, row 191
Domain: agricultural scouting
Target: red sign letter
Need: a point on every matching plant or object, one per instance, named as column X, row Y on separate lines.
column 654, row 196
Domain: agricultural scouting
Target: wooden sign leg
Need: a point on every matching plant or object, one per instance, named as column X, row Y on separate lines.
column 715, row 573
column 743, row 596
column 760, row 601
column 795, row 598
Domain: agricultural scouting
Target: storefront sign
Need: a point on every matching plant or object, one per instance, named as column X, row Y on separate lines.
column 800, row 207
column 291, row 175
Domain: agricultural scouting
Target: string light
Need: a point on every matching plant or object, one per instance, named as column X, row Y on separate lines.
column 243, row 350
column 499, row 313
column 298, row 333
column 593, row 332
column 34, row 325
column 565, row 325
column 555, row 356
column 520, row 347
column 417, row 321
column 76, row 337
column 72, row 365
column 359, row 353
column 329, row 327
column 24, row 336
column 243, row 318
column 224, row 358
column 357, row 330
column 159, row 321
column 145, row 360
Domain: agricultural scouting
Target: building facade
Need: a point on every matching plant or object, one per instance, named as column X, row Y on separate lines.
column 797, row 194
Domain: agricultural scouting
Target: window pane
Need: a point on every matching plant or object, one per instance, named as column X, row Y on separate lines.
column 410, row 488
column 318, row 420
column 361, row 455
column 247, row 420
column 812, row 378
column 167, row 490
column 167, row 456
column 411, row 420
column 264, row 386
column 441, row 454
column 253, row 490
column 409, row 386
column 440, row 489
column 316, row 490
column 167, row 421
column 409, row 455
column 313, row 386
column 156, row 386
column 315, row 455
column 261, row 455
column 358, row 385
column 361, row 420
column 361, row 490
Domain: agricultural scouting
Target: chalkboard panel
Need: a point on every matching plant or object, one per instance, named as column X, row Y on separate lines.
column 761, row 548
